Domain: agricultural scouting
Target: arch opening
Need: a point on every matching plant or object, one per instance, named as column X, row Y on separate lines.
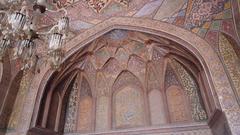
column 136, row 64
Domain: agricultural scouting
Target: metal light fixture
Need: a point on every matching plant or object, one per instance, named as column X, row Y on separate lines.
column 18, row 30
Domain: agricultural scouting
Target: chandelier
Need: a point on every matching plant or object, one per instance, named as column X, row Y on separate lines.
column 19, row 32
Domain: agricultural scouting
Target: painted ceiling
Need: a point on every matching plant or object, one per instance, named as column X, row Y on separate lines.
column 206, row 18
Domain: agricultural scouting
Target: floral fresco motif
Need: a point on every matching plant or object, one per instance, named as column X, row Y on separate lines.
column 71, row 114
column 98, row 5
column 192, row 90
column 198, row 16
column 170, row 78
column 205, row 18
column 231, row 61
column 203, row 10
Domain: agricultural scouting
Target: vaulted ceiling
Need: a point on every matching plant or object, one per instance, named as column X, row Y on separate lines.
column 206, row 18
column 198, row 16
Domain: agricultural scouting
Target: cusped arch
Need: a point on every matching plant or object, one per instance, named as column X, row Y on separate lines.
column 199, row 47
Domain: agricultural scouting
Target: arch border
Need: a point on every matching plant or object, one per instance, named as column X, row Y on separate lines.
column 209, row 59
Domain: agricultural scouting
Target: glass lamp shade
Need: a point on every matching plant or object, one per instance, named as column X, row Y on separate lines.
column 55, row 49
column 17, row 20
column 26, row 49
column 13, row 1
column 2, row 18
column 55, row 41
column 4, row 44
column 63, row 24
column 56, row 58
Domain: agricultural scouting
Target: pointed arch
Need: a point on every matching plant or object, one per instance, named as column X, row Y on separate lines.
column 50, row 114
column 200, row 48
column 55, row 103
column 125, row 78
column 128, row 94
column 79, row 106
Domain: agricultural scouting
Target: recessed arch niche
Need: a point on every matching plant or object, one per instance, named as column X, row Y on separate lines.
column 128, row 102
column 85, row 106
column 131, row 72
